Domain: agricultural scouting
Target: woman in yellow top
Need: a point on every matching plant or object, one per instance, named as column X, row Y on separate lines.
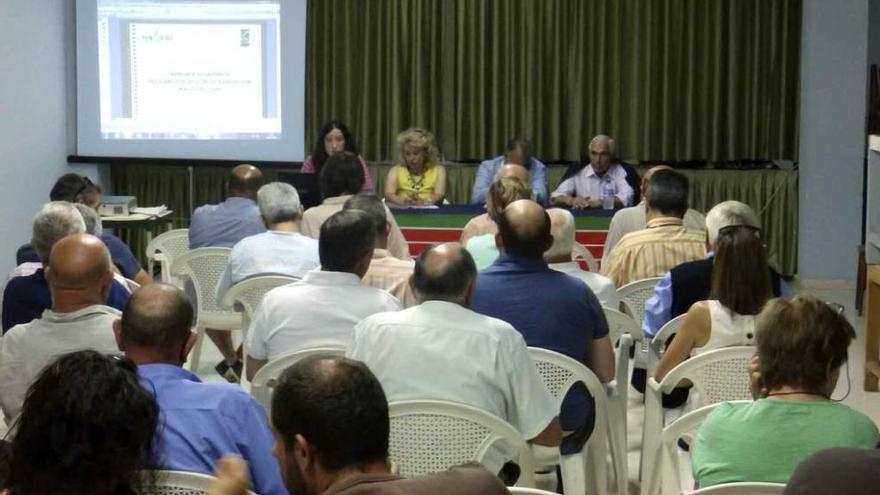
column 418, row 178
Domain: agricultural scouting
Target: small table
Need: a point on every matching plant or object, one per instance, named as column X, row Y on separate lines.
column 138, row 221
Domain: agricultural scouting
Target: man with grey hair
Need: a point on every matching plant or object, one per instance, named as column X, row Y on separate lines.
column 559, row 258
column 483, row 361
column 604, row 175
column 281, row 250
column 26, row 297
column 691, row 282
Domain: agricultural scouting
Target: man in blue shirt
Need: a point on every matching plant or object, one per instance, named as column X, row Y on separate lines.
column 223, row 225
column 551, row 309
column 519, row 151
column 199, row 422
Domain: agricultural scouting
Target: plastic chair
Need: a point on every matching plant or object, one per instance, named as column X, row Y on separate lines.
column 657, row 345
column 164, row 248
column 180, row 483
column 742, row 489
column 266, row 377
column 584, row 471
column 247, row 294
column 717, row 376
column 131, row 285
column 428, row 436
column 626, row 333
column 518, row 490
column 580, row 252
column 204, row 267
column 634, row 295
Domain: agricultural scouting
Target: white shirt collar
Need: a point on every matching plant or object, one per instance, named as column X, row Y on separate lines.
column 321, row 277
column 84, row 313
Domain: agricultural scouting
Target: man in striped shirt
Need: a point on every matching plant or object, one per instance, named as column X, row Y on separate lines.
column 666, row 242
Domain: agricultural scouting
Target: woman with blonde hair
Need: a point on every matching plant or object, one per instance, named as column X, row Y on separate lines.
column 418, row 179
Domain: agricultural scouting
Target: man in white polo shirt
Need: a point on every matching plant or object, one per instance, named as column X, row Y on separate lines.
column 80, row 278
column 322, row 309
column 441, row 350
column 281, row 250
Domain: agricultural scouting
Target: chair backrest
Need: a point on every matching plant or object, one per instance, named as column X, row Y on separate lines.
column 620, row 323
column 742, row 489
column 266, row 377
column 634, row 295
column 429, row 436
column 248, row 293
column 180, row 483
column 204, row 267
column 672, row 482
column 580, row 252
column 131, row 285
column 717, row 376
column 165, row 247
column 658, row 343
column 518, row 490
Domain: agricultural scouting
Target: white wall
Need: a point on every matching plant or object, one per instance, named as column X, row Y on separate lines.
column 36, row 113
column 834, row 68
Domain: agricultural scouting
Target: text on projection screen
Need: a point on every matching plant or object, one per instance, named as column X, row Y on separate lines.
column 189, row 70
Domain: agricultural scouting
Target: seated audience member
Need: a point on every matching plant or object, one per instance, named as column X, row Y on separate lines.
column 519, row 152
column 224, row 225
column 832, row 471
column 802, row 344
column 483, row 361
column 281, row 250
column 550, row 309
column 323, row 308
column 79, row 278
column 331, row 424
column 559, row 258
column 341, row 178
column 79, row 189
column 87, row 427
column 691, row 282
column 478, row 236
column 334, row 137
column 740, row 287
column 634, row 218
column 26, row 297
column 666, row 242
column 585, row 189
column 418, row 179
column 386, row 272
column 94, row 227
column 200, row 422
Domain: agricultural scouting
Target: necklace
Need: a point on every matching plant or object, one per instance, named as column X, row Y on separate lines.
column 416, row 181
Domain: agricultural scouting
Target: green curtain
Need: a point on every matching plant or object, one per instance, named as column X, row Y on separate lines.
column 672, row 80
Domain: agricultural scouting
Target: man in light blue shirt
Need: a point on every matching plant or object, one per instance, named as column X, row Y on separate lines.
column 519, row 151
column 199, row 422
column 223, row 225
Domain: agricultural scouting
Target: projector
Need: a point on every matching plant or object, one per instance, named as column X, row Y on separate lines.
column 117, row 205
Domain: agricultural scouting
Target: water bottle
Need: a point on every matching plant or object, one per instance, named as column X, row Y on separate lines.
column 608, row 192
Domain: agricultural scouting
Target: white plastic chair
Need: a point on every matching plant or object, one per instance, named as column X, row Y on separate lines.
column 266, row 377
column 717, row 376
column 164, row 248
column 584, row 471
column 204, row 267
column 580, row 252
column 657, row 345
column 131, row 285
column 180, row 483
column 428, row 436
column 627, row 333
column 742, row 489
column 634, row 295
column 247, row 294
column 518, row 490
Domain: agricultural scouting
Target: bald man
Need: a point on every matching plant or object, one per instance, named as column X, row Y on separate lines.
column 519, row 152
column 514, row 170
column 223, row 225
column 200, row 421
column 550, row 309
column 80, row 279
column 441, row 337
column 634, row 218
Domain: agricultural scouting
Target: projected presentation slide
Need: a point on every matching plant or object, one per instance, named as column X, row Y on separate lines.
column 189, row 70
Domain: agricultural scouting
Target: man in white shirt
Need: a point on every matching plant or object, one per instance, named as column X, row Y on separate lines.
column 441, row 350
column 634, row 218
column 585, row 189
column 559, row 258
column 322, row 309
column 281, row 250
column 386, row 272
column 80, row 278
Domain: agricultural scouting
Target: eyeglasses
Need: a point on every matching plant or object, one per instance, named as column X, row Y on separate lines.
column 85, row 185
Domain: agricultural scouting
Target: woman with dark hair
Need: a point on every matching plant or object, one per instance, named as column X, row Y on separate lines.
column 740, row 287
column 86, row 427
column 334, row 137
column 802, row 344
